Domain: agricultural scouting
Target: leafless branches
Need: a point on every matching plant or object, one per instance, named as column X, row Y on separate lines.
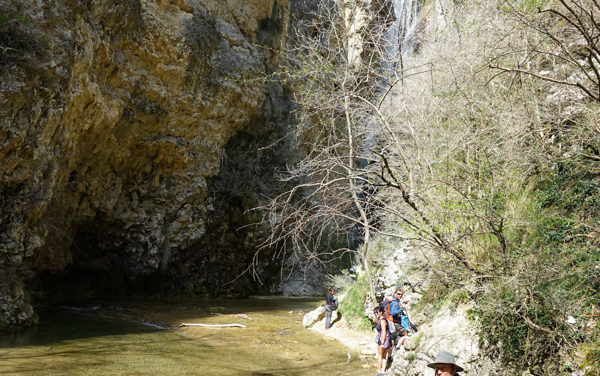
column 361, row 166
column 566, row 51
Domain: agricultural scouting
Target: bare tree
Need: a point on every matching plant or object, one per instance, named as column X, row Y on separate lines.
column 353, row 153
column 443, row 150
column 563, row 47
column 328, row 210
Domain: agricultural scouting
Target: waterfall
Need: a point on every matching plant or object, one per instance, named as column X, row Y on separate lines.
column 401, row 41
column 400, row 36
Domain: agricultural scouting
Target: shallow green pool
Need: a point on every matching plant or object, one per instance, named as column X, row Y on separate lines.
column 144, row 338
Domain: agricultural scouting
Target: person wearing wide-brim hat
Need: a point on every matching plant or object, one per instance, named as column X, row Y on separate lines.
column 445, row 364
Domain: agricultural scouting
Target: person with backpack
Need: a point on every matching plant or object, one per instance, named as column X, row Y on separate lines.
column 383, row 340
column 395, row 312
column 331, row 304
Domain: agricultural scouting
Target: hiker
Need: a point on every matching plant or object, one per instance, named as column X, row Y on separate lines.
column 396, row 312
column 445, row 364
column 331, row 304
column 383, row 340
column 353, row 273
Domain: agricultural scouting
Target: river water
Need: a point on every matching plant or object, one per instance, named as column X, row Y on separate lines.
column 144, row 338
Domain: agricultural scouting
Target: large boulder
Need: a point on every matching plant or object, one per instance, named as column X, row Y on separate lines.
column 313, row 316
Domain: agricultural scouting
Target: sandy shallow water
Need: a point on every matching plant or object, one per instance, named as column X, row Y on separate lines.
column 144, row 338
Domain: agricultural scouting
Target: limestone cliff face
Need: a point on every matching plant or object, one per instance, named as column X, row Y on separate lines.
column 109, row 134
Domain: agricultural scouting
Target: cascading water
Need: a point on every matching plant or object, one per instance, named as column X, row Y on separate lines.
column 401, row 42
column 401, row 33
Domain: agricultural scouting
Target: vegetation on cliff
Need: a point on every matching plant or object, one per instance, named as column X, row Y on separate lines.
column 482, row 145
column 19, row 42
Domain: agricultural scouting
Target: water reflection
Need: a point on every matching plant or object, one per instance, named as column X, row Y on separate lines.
column 61, row 325
column 123, row 338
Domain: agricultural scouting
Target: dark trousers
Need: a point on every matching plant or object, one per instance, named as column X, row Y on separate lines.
column 328, row 318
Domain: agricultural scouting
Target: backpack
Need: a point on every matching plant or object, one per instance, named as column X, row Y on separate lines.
column 404, row 320
column 408, row 325
column 390, row 328
column 385, row 304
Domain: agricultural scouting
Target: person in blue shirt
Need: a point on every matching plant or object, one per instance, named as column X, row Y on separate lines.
column 397, row 313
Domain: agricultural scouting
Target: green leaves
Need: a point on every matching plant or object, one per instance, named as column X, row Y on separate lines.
column 353, row 304
column 555, row 274
column 532, row 6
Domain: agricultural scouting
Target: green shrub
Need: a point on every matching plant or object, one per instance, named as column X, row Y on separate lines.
column 555, row 273
column 352, row 306
column 418, row 338
column 19, row 41
column 592, row 354
column 459, row 296
column 339, row 282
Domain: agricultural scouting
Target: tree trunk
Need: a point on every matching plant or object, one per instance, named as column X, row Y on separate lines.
column 364, row 253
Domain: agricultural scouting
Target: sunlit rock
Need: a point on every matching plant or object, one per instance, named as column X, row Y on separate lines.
column 313, row 316
column 112, row 124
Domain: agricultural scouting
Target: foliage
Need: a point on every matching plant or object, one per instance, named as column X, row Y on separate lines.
column 592, row 354
column 19, row 41
column 556, row 274
column 339, row 281
column 564, row 48
column 509, row 180
column 335, row 71
column 352, row 306
column 531, row 6
column 490, row 159
column 459, row 296
column 418, row 338
column 433, row 297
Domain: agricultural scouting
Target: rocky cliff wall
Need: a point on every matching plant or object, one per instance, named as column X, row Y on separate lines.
column 114, row 114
